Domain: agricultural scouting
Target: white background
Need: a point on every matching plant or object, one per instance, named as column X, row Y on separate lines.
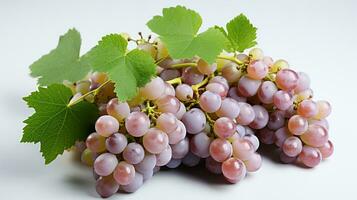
column 318, row 37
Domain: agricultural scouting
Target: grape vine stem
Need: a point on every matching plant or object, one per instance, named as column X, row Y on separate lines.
column 230, row 58
column 94, row 92
column 180, row 65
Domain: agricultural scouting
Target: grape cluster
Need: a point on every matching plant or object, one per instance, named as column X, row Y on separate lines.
column 194, row 112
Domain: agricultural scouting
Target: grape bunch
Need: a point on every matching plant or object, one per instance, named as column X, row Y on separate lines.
column 194, row 112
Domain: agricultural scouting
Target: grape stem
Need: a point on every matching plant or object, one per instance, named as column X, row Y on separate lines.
column 180, row 65
column 175, row 81
column 230, row 58
column 94, row 92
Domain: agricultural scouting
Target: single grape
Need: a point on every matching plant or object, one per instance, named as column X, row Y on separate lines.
column 261, row 117
column 232, row 93
column 256, row 54
column 174, row 163
column 213, row 166
column 307, row 108
column 254, row 163
column 124, row 173
column 98, row 77
column 88, row 157
column 199, row 145
column 155, row 140
column 169, row 74
column 221, row 80
column 243, row 57
column 83, row 86
column 257, row 69
column 167, row 122
column 154, row 89
column 168, row 103
column 178, row 134
column 210, row 102
column 321, row 122
column 240, row 130
column 164, row 157
column 184, row 92
column 304, row 95
column 266, row 92
column 106, row 186
column 278, row 65
column 303, row 82
column 95, row 142
column 327, row 149
column 231, row 73
column 324, row 109
column 116, row 143
column 180, row 149
column 286, row 159
column 276, row 120
column 315, row 136
column 105, row 164
column 118, row 109
column 133, row 153
column 191, row 160
column 191, row 76
column 148, row 48
column 292, row 146
column 217, row 88
column 147, row 164
column 137, row 124
column 234, row 169
column 297, row 125
column 286, row 79
column 194, row 120
column 253, row 139
column 246, row 114
column 106, row 125
column 248, row 87
column 135, row 184
column 181, row 111
column 148, row 174
column 206, row 68
column 268, row 61
column 169, row 90
column 282, row 100
column 229, row 108
column 242, row 149
column 280, row 136
column 266, row 136
column 310, row 156
column 220, row 149
column 224, row 127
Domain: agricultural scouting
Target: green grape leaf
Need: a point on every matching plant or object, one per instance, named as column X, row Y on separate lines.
column 178, row 27
column 55, row 125
column 62, row 63
column 241, row 33
column 128, row 70
column 227, row 43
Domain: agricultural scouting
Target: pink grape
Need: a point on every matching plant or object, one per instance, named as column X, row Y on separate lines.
column 178, row 134
column 268, row 61
column 118, row 109
column 292, row 146
column 297, row 125
column 257, row 69
column 137, row 124
column 282, row 100
column 169, row 74
column 221, row 80
column 106, row 125
column 155, row 140
column 169, row 90
column 154, row 89
column 224, row 127
column 286, row 79
column 95, row 142
column 168, row 104
column 229, row 108
column 243, row 149
column 116, row 143
column 167, row 122
column 276, row 120
column 248, row 87
column 164, row 157
column 324, row 109
column 217, row 88
column 181, row 111
column 233, row 169
column 307, row 108
column 174, row 163
column 266, row 92
column 184, row 92
column 133, row 153
column 327, row 149
column 246, row 114
column 280, row 136
column 286, row 159
column 253, row 139
column 321, row 122
column 206, row 68
column 303, row 82
column 106, row 186
column 147, row 164
column 124, row 173
column 199, row 145
column 315, row 136
column 194, row 120
column 267, row 136
column 220, row 149
column 254, row 163
column 135, row 184
column 210, row 102
column 233, row 93
column 213, row 166
column 191, row 76
column 231, row 73
column 310, row 156
column 261, row 117
column 105, row 164
column 191, row 160
column 180, row 149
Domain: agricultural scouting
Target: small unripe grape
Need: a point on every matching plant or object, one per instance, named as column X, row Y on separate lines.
column 279, row 65
column 256, row 54
column 324, row 109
